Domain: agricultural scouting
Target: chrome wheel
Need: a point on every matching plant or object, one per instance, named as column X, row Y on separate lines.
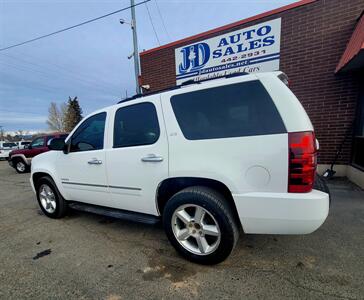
column 196, row 229
column 20, row 166
column 47, row 198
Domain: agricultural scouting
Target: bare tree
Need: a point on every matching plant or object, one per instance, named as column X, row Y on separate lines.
column 56, row 116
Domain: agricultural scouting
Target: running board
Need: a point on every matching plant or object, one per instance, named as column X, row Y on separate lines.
column 115, row 213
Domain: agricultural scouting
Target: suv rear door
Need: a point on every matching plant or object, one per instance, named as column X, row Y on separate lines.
column 137, row 159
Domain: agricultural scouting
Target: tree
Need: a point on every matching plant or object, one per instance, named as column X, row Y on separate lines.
column 56, row 117
column 19, row 132
column 2, row 133
column 73, row 114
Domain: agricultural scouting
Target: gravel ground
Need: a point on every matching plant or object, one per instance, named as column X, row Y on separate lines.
column 85, row 256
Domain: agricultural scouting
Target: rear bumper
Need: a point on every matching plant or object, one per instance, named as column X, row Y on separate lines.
column 282, row 213
column 4, row 155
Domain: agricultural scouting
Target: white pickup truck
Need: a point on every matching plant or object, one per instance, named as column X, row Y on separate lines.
column 209, row 160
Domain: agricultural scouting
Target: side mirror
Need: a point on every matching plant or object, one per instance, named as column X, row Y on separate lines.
column 57, row 144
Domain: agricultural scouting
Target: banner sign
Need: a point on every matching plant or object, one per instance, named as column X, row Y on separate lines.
column 252, row 49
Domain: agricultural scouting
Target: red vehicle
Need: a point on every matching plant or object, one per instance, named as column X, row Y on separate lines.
column 21, row 159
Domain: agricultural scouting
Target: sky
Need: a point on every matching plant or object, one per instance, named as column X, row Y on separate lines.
column 91, row 61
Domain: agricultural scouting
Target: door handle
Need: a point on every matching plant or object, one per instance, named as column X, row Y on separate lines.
column 152, row 158
column 94, row 161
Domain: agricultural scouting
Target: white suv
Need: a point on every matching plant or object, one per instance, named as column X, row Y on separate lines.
column 208, row 159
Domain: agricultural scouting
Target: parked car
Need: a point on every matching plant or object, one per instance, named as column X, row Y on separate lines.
column 23, row 144
column 207, row 159
column 21, row 159
column 5, row 149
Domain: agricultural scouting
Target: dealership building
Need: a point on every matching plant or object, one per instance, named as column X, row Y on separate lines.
column 319, row 44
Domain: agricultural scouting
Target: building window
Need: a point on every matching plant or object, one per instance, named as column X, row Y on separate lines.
column 358, row 146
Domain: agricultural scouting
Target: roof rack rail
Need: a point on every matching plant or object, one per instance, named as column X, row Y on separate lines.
column 188, row 82
column 236, row 74
column 136, row 96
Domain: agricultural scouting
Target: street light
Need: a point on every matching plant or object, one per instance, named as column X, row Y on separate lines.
column 135, row 44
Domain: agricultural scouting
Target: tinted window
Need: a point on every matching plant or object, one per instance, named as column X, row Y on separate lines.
column 50, row 137
column 38, row 142
column 90, row 134
column 136, row 125
column 9, row 145
column 242, row 109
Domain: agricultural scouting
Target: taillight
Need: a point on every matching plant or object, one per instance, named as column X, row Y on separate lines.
column 302, row 161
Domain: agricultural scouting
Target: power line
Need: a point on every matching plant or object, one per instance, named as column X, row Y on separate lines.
column 151, row 21
column 80, row 78
column 162, row 19
column 73, row 26
column 45, row 74
column 70, row 71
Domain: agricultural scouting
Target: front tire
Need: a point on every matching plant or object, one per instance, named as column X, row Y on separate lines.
column 20, row 166
column 49, row 198
column 200, row 224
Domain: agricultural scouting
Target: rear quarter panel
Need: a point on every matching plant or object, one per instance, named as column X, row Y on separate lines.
column 244, row 164
column 289, row 107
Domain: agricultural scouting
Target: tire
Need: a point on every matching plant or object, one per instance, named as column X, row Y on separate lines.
column 49, row 198
column 20, row 166
column 194, row 234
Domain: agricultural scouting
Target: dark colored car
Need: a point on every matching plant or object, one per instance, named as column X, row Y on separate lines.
column 21, row 159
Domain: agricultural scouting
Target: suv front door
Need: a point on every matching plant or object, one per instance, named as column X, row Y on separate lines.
column 138, row 159
column 82, row 169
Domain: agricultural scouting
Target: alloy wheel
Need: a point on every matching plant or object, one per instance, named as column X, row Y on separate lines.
column 196, row 229
column 47, row 198
column 20, row 166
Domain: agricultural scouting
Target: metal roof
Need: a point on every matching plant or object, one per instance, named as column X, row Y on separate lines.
column 353, row 56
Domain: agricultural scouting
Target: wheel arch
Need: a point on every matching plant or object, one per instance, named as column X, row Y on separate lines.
column 16, row 157
column 39, row 174
column 170, row 186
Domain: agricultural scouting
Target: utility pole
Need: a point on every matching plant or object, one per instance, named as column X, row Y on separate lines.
column 1, row 133
column 136, row 51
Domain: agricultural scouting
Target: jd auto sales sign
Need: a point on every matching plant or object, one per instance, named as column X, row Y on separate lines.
column 252, row 49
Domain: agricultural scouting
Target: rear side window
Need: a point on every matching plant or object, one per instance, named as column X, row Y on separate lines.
column 243, row 109
column 136, row 125
column 9, row 145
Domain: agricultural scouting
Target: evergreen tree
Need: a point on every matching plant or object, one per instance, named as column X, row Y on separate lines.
column 73, row 114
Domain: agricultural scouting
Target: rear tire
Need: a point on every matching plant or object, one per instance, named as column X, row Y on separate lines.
column 208, row 239
column 49, row 198
column 20, row 166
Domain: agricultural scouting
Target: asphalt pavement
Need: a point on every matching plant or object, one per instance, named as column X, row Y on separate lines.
column 85, row 256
